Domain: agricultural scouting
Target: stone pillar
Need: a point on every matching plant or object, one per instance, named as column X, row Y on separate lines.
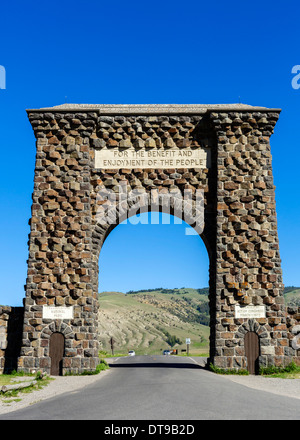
column 59, row 263
column 248, row 265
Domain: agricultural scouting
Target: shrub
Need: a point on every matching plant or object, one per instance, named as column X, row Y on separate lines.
column 290, row 368
column 218, row 370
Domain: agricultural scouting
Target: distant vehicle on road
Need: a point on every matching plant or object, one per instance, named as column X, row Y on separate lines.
column 131, row 353
column 166, row 352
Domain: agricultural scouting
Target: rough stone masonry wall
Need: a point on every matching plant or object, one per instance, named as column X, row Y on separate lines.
column 247, row 241
column 240, row 231
column 153, row 133
column 59, row 264
column 65, row 238
column 247, row 251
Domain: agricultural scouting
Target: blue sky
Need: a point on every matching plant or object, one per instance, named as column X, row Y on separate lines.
column 152, row 250
column 144, row 52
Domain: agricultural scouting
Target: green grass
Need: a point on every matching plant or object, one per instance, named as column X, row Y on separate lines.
column 292, row 296
column 218, row 370
column 7, row 379
column 204, row 354
column 103, row 365
column 8, row 401
column 291, row 371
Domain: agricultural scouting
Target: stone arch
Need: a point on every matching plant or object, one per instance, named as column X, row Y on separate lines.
column 100, row 235
column 57, row 326
column 230, row 149
column 266, row 348
column 252, row 325
column 191, row 217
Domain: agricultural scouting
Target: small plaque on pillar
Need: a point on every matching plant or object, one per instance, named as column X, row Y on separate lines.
column 58, row 312
column 249, row 312
column 3, row 338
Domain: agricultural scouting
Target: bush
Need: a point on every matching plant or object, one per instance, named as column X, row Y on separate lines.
column 269, row 371
column 172, row 340
column 102, row 366
column 103, row 353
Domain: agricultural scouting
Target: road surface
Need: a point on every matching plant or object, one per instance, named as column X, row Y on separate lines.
column 162, row 388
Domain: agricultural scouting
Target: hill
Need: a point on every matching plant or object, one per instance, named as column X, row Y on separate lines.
column 292, row 296
column 150, row 321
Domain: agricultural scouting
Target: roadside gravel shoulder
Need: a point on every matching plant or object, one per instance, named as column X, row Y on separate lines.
column 60, row 385
column 282, row 387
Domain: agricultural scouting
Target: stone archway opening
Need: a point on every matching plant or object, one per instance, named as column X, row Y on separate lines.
column 153, row 274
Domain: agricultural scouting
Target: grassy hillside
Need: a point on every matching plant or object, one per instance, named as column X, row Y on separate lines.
column 153, row 320
column 292, row 296
column 150, row 321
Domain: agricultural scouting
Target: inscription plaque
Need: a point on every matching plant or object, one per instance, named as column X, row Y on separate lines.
column 58, row 312
column 250, row 311
column 152, row 158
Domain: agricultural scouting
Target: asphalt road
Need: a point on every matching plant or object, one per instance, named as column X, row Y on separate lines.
column 162, row 388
